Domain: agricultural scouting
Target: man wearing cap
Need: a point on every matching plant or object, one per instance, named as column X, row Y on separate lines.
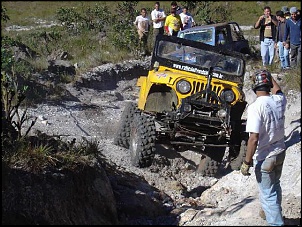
column 293, row 34
column 286, row 12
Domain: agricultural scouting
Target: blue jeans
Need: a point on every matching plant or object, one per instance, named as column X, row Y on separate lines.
column 283, row 55
column 268, row 173
column 267, row 51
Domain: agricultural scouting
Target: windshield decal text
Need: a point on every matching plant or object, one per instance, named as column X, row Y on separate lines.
column 217, row 75
column 190, row 69
column 195, row 70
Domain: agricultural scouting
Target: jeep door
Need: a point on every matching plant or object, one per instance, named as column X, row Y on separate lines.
column 239, row 43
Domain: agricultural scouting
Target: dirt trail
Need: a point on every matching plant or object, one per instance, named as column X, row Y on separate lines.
column 230, row 199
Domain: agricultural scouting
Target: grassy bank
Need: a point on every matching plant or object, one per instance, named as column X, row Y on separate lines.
column 87, row 48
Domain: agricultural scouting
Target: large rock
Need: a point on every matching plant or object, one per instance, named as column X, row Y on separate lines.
column 78, row 196
column 61, row 67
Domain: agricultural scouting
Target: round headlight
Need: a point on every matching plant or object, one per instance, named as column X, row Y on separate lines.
column 227, row 95
column 183, row 86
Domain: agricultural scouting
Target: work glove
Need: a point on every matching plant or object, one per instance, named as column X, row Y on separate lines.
column 245, row 167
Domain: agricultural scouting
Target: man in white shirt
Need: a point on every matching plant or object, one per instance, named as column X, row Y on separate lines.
column 186, row 18
column 158, row 17
column 142, row 24
column 265, row 124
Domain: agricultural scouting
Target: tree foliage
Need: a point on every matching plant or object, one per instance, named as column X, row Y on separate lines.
column 4, row 16
column 207, row 12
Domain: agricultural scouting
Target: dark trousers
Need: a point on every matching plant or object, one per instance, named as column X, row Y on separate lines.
column 174, row 33
column 295, row 55
column 157, row 31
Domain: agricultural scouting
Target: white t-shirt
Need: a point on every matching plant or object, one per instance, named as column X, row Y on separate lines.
column 143, row 23
column 155, row 14
column 186, row 20
column 266, row 117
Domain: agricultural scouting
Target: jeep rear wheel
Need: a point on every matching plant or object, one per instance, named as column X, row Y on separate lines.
column 123, row 133
column 142, row 140
column 209, row 163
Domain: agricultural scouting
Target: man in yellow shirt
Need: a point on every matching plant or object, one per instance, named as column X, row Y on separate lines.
column 173, row 23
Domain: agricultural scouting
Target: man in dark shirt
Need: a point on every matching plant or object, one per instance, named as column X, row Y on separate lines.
column 176, row 7
column 283, row 49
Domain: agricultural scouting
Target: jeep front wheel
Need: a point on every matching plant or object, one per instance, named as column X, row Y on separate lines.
column 142, row 140
column 123, row 132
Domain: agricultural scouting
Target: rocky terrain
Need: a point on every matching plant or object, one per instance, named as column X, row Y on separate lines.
column 182, row 196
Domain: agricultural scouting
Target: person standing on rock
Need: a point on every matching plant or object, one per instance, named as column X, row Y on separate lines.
column 266, row 146
column 281, row 44
column 158, row 17
column 173, row 24
column 142, row 24
column 178, row 9
column 186, row 18
column 267, row 24
column 293, row 33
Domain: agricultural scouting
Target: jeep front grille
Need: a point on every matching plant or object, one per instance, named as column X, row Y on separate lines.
column 198, row 86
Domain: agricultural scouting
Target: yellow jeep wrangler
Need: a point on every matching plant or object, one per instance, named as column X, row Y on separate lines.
column 192, row 99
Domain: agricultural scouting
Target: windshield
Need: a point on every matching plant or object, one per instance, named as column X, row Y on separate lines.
column 200, row 58
column 205, row 36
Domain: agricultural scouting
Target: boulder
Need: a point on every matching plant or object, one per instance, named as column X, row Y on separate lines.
column 81, row 195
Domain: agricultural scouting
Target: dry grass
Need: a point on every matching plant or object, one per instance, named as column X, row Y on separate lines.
column 88, row 51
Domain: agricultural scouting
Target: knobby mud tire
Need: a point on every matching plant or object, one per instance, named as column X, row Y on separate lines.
column 209, row 164
column 122, row 135
column 142, row 140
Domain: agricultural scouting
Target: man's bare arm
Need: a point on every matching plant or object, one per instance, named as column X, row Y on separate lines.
column 251, row 147
column 276, row 86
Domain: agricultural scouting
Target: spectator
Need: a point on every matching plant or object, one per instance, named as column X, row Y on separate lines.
column 176, row 7
column 267, row 24
column 265, row 125
column 173, row 23
column 293, row 33
column 283, row 48
column 298, row 14
column 186, row 19
column 286, row 12
column 221, row 37
column 142, row 24
column 158, row 17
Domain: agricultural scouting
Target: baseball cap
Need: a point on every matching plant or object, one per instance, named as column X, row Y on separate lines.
column 285, row 9
column 293, row 10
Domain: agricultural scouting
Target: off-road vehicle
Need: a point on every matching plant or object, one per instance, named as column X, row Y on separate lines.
column 192, row 98
column 227, row 35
